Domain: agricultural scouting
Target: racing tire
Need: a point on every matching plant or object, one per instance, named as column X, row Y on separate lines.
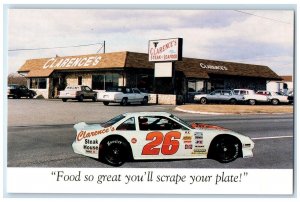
column 115, row 152
column 233, row 101
column 275, row 102
column 80, row 99
column 252, row 102
column 203, row 100
column 225, row 149
column 64, row 100
column 145, row 101
column 124, row 102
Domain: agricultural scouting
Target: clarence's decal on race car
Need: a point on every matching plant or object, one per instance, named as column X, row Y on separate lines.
column 169, row 143
column 84, row 134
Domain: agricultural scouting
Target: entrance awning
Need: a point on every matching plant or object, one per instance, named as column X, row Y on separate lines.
column 40, row 73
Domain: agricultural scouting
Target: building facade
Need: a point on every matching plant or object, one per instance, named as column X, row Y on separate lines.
column 47, row 76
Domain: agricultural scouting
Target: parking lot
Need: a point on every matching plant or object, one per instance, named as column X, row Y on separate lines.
column 40, row 134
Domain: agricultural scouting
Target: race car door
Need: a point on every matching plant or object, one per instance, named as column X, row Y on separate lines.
column 160, row 137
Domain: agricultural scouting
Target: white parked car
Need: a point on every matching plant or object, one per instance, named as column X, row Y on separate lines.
column 77, row 93
column 250, row 97
column 224, row 96
column 274, row 97
column 158, row 135
column 122, row 95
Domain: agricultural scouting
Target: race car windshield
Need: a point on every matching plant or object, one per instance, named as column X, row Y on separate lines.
column 112, row 121
column 181, row 121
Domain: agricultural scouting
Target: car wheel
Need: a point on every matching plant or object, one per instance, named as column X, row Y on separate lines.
column 275, row 102
column 115, row 152
column 233, row 101
column 124, row 102
column 225, row 149
column 31, row 96
column 80, row 99
column 106, row 103
column 94, row 98
column 203, row 100
column 64, row 100
column 145, row 101
column 252, row 102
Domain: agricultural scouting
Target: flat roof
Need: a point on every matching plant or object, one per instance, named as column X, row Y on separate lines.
column 191, row 67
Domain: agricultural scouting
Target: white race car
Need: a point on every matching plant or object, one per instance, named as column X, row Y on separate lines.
column 158, row 135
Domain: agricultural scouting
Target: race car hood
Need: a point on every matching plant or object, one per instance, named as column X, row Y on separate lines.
column 208, row 126
column 83, row 126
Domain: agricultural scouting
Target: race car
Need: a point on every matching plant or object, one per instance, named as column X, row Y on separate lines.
column 158, row 135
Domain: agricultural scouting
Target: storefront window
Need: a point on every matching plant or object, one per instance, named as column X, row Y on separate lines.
column 105, row 81
column 38, row 83
column 144, row 82
column 195, row 86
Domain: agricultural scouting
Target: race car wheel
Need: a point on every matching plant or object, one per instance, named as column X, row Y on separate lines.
column 275, row 102
column 64, row 100
column 80, row 99
column 225, row 149
column 252, row 102
column 115, row 152
column 145, row 101
column 124, row 102
column 203, row 100
column 105, row 103
column 233, row 101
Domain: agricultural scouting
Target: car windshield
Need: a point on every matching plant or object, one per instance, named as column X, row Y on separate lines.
column 12, row 86
column 181, row 121
column 112, row 121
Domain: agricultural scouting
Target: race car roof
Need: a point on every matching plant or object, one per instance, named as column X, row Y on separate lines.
column 147, row 114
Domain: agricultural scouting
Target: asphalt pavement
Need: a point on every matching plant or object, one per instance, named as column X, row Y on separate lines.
column 40, row 134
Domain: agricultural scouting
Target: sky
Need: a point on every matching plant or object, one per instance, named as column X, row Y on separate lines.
column 262, row 37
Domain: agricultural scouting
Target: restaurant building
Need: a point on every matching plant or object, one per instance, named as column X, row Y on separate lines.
column 101, row 71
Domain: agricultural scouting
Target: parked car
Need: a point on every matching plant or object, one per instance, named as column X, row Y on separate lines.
column 158, row 135
column 122, row 95
column 224, row 96
column 77, row 93
column 274, row 97
column 18, row 91
column 250, row 97
column 291, row 97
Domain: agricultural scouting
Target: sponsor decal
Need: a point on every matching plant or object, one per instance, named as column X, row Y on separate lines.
column 199, row 146
column 199, row 142
column 198, row 136
column 85, row 134
column 72, row 62
column 133, row 140
column 186, row 138
column 188, row 146
column 199, row 151
column 114, row 141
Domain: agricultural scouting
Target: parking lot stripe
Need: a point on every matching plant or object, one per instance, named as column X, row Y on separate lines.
column 276, row 137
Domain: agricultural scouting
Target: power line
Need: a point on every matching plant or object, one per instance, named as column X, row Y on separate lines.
column 262, row 17
column 30, row 49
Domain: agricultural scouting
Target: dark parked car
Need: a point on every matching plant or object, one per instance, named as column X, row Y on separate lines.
column 18, row 91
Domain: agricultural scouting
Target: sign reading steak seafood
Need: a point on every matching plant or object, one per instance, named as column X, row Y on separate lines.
column 72, row 62
column 165, row 50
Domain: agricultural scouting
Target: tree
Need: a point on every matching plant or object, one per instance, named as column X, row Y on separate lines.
column 14, row 78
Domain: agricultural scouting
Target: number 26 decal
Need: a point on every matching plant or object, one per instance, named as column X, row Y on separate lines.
column 170, row 143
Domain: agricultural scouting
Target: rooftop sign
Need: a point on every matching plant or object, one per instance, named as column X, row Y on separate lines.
column 162, row 50
column 72, row 62
column 213, row 67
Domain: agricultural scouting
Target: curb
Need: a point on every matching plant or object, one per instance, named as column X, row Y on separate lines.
column 216, row 113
